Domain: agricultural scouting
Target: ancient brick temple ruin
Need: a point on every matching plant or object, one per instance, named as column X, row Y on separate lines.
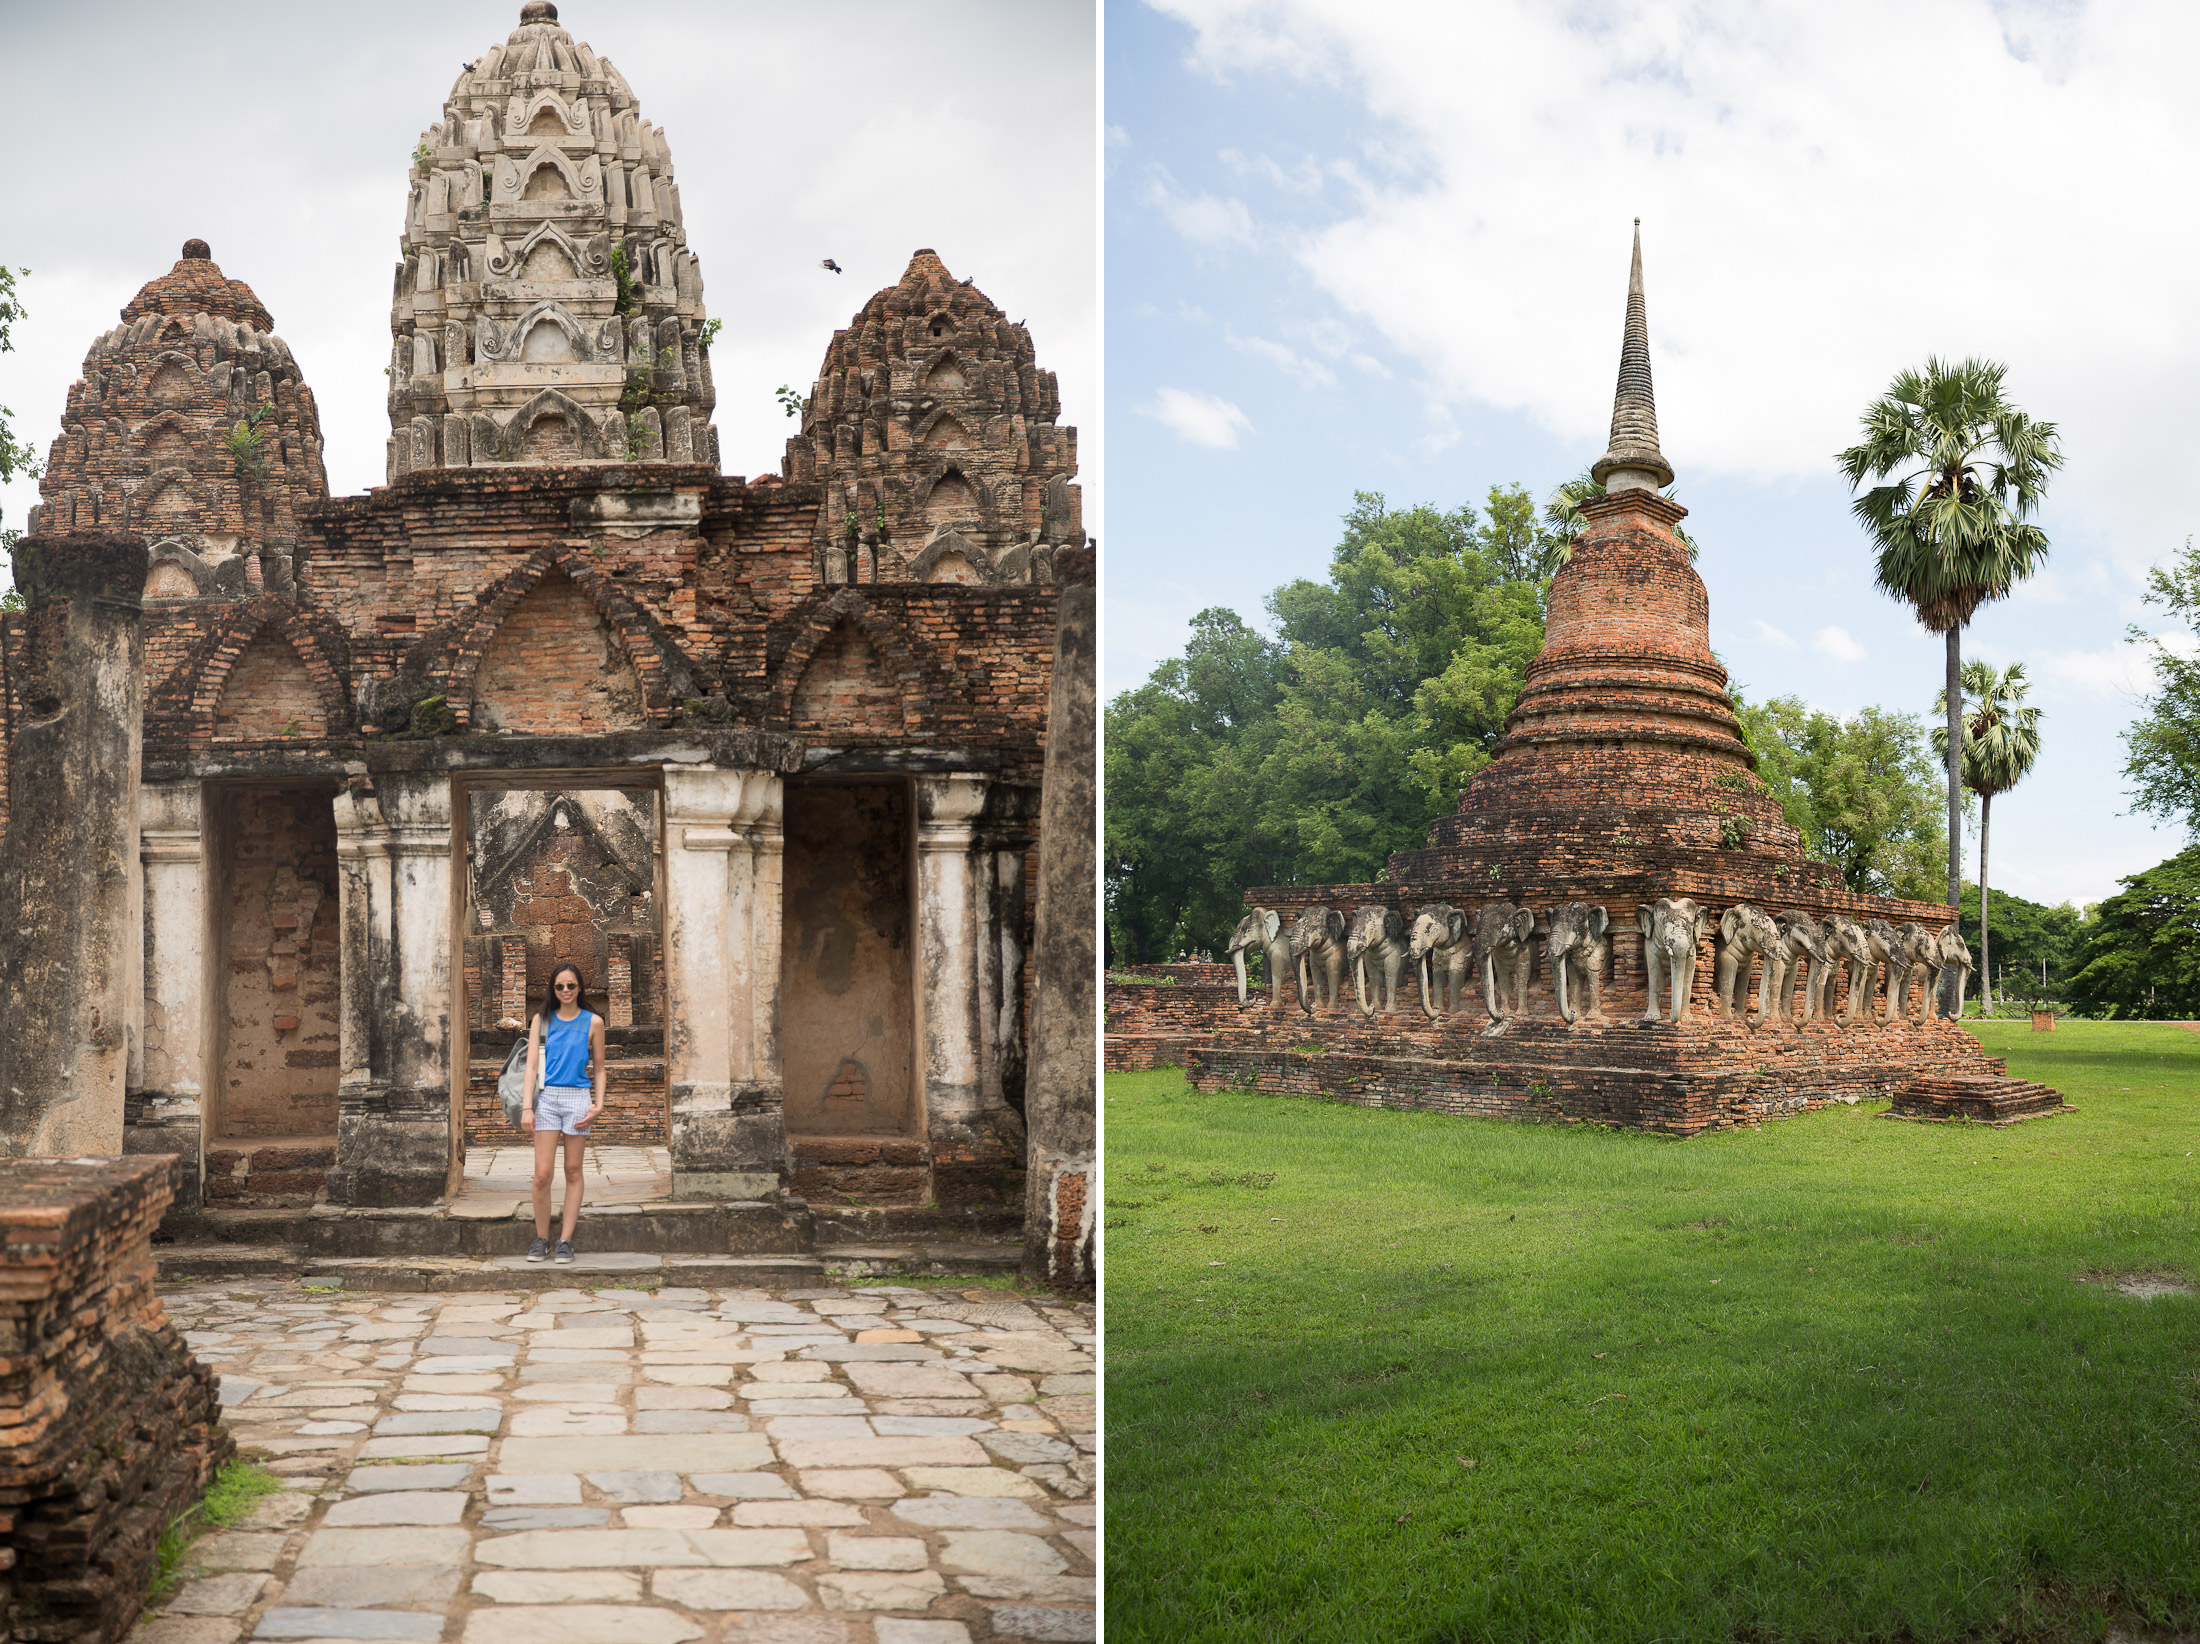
column 309, row 795
column 1622, row 799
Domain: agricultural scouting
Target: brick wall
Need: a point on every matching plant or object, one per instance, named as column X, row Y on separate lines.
column 269, row 695
column 112, row 1426
column 554, row 668
column 278, row 901
column 636, row 1110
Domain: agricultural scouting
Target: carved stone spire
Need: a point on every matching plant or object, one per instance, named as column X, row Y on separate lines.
column 1634, row 463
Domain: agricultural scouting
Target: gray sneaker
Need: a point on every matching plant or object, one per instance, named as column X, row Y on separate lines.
column 539, row 1251
column 565, row 1251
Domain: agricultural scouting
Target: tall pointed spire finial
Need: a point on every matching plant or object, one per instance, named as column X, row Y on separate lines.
column 1634, row 462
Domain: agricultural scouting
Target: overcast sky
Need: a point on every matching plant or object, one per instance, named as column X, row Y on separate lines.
column 280, row 134
column 1385, row 248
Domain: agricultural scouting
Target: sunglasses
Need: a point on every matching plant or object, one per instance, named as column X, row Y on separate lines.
column 567, row 987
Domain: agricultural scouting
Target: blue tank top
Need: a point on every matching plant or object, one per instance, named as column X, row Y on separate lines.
column 565, row 1049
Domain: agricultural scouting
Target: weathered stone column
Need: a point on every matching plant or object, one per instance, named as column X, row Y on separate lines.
column 393, row 1127
column 169, row 1075
column 69, row 871
column 1058, row 1096
column 975, row 1138
column 722, row 855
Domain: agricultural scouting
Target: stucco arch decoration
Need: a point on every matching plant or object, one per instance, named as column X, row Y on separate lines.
column 886, row 637
column 318, row 644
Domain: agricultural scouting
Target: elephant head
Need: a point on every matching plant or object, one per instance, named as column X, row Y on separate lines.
column 1951, row 954
column 1576, row 949
column 1672, row 929
column 1438, row 936
column 1377, row 933
column 1801, row 937
column 1846, row 945
column 1502, row 955
column 1887, row 961
column 1917, row 948
column 1262, row 928
column 1317, row 938
column 1744, row 932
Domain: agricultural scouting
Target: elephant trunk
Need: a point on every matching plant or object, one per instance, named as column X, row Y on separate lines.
column 1558, row 986
column 1426, row 1008
column 1306, row 977
column 1359, row 983
column 1237, row 957
column 1489, row 986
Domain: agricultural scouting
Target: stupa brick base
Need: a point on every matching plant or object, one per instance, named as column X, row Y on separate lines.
column 1980, row 1097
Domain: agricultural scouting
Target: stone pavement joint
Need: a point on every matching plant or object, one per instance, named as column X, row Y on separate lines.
column 680, row 1465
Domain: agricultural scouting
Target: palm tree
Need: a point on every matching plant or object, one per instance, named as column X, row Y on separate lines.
column 2001, row 738
column 1962, row 470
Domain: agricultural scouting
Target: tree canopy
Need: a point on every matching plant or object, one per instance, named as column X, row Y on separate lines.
column 1310, row 757
column 2163, row 744
column 2142, row 955
column 1862, row 791
column 2026, row 934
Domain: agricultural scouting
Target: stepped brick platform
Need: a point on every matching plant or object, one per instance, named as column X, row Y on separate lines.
column 1982, row 1098
column 108, row 1426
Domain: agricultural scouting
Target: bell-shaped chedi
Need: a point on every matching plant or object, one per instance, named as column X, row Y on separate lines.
column 191, row 426
column 1623, row 754
column 937, row 438
column 547, row 308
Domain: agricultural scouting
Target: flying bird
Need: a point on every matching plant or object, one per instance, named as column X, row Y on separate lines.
column 829, row 263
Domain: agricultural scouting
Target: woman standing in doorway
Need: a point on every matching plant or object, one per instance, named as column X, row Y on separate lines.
column 565, row 1084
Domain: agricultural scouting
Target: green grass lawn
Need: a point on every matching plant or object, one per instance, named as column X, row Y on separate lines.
column 1392, row 1376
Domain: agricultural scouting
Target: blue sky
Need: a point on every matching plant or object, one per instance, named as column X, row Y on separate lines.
column 1386, row 250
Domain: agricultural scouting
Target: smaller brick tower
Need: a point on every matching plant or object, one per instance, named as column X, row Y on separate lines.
column 193, row 427
column 547, row 308
column 936, row 437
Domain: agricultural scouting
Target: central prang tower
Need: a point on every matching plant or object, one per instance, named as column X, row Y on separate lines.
column 547, row 307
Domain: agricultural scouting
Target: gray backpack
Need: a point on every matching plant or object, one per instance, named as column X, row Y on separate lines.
column 512, row 1082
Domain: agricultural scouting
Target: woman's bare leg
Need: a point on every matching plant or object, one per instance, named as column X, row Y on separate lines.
column 575, row 1146
column 546, row 1165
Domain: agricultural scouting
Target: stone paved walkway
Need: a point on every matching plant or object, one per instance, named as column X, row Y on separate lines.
column 876, row 1465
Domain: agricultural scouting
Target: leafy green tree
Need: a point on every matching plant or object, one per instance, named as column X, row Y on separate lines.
column 2001, row 739
column 2141, row 957
column 1310, row 757
column 1961, row 471
column 2163, row 744
column 1862, row 791
column 2035, row 946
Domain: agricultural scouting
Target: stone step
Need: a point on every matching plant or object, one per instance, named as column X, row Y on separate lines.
column 869, row 1261
column 631, row 1267
column 479, row 1227
column 179, row 1263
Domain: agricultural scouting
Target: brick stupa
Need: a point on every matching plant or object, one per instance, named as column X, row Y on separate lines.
column 1622, row 777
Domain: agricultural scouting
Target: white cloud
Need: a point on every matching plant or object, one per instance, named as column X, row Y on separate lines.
column 1767, row 149
column 1836, row 643
column 2120, row 672
column 1310, row 373
column 1771, row 635
column 1204, row 419
column 1203, row 219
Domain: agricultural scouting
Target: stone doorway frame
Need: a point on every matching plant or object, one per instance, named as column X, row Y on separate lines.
column 464, row 784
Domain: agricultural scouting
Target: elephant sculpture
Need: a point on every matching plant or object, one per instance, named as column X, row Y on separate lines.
column 1915, row 951
column 1949, row 954
column 1744, row 933
column 1317, row 938
column 1847, row 947
column 1887, row 961
column 1503, row 955
column 1262, row 928
column 1575, row 948
column 1672, row 928
column 1379, row 935
column 1441, row 955
column 1802, row 939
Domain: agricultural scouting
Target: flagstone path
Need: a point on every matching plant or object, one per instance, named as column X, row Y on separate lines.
column 874, row 1465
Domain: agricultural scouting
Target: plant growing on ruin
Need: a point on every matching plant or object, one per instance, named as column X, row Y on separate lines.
column 15, row 458
column 622, row 275
column 1961, row 472
column 1734, row 833
column 709, row 334
column 247, row 446
column 422, row 154
column 789, row 401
